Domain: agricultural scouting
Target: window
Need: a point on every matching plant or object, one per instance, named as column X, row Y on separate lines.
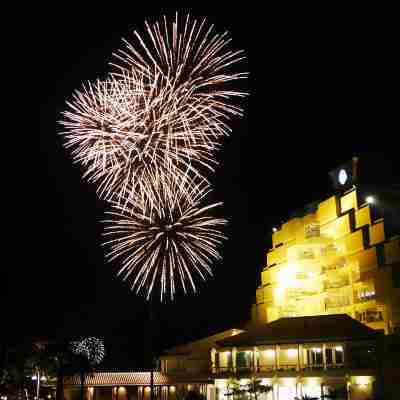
column 329, row 355
column 244, row 359
column 339, row 355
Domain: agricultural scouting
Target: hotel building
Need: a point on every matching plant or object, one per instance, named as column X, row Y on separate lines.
column 325, row 322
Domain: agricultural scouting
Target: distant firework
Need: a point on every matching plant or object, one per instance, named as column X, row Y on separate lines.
column 164, row 239
column 92, row 348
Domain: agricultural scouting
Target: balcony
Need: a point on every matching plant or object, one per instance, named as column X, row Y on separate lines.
column 335, row 284
column 284, row 360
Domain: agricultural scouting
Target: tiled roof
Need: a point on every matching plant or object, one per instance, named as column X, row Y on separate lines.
column 302, row 329
column 136, row 378
column 119, row 378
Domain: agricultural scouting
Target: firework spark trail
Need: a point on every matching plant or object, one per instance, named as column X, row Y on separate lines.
column 164, row 237
column 195, row 61
column 125, row 131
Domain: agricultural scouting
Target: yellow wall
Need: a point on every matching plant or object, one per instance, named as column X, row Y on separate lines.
column 326, row 262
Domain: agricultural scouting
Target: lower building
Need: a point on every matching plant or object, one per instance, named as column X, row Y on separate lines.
column 134, row 386
column 321, row 357
column 300, row 357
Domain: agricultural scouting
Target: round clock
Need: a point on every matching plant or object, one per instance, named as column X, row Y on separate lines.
column 342, row 176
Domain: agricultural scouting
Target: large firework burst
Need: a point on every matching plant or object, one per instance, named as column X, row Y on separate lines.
column 190, row 57
column 128, row 131
column 164, row 237
column 92, row 348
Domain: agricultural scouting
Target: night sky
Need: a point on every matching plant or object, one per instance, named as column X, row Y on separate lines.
column 321, row 91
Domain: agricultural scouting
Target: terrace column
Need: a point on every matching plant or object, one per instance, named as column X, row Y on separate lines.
column 298, row 368
column 324, row 355
column 255, row 352
column 234, row 352
column 213, row 365
column 344, row 349
column 277, row 351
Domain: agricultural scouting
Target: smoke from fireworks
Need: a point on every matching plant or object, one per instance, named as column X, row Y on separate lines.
column 92, row 348
column 164, row 237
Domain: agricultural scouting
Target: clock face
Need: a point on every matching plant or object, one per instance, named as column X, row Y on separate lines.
column 342, row 177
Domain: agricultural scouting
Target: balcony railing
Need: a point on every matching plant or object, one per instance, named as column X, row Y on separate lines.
column 334, row 366
column 221, row 370
column 280, row 368
column 287, row 367
column 312, row 367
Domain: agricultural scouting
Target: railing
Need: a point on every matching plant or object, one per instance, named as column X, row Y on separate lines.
column 361, row 299
column 244, row 368
column 280, row 368
column 265, row 368
column 334, row 366
column 312, row 367
column 336, row 284
column 221, row 370
column 287, row 367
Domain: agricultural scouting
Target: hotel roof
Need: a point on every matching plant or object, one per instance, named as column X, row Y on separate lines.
column 302, row 329
column 119, row 378
column 135, row 379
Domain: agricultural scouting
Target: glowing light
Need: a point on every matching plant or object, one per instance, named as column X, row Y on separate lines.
column 370, row 200
column 172, row 389
column 34, row 378
column 363, row 381
column 270, row 353
column 342, row 176
column 164, row 237
column 274, row 229
column 317, row 349
column 339, row 348
column 289, row 381
column 43, row 378
column 147, row 388
column 292, row 352
column 312, row 382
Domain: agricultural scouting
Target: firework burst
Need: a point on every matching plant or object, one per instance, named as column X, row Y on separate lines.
column 92, row 348
column 164, row 238
column 125, row 132
column 191, row 57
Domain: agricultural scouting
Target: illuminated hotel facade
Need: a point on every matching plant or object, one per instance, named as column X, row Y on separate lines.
column 325, row 322
column 334, row 259
column 327, row 314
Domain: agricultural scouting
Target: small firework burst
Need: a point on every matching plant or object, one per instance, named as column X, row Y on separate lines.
column 92, row 348
column 164, row 239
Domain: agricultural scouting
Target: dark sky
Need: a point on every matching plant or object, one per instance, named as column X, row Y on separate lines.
column 322, row 89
